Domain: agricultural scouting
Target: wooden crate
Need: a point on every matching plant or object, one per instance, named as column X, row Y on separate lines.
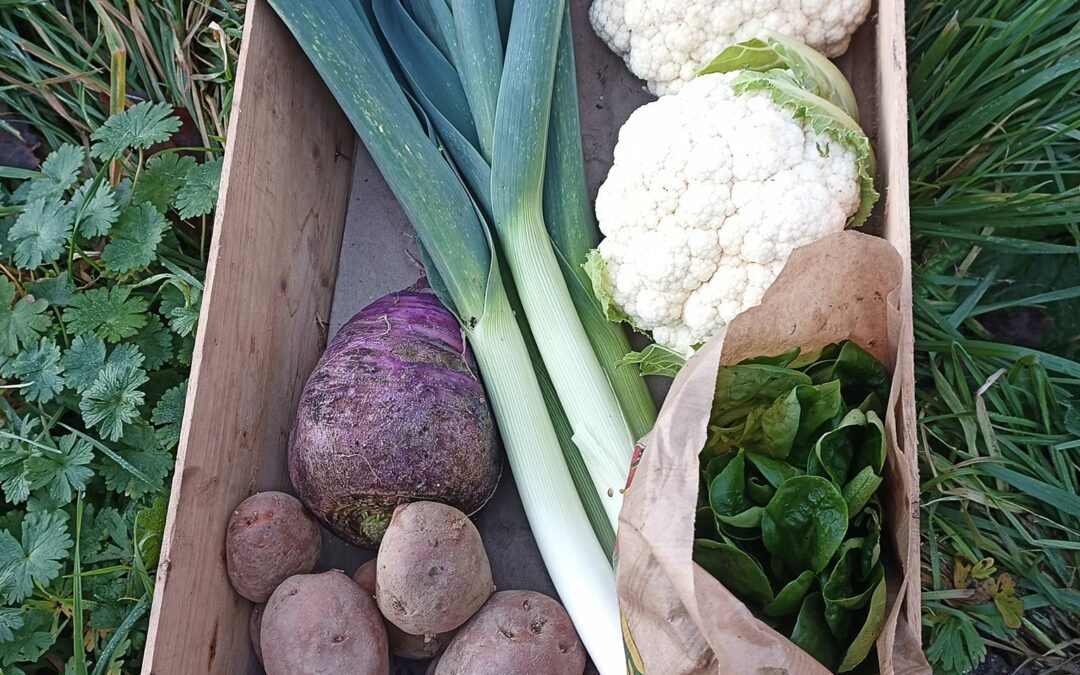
column 284, row 211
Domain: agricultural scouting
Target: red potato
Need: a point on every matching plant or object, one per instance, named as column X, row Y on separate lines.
column 364, row 576
column 316, row 624
column 255, row 628
column 515, row 633
column 403, row 645
column 270, row 538
column 432, row 572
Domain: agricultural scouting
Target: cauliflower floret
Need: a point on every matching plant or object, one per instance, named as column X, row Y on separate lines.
column 709, row 194
column 666, row 43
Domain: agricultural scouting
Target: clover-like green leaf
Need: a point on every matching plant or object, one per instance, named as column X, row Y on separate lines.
column 164, row 174
column 83, row 361
column 57, row 290
column 40, row 371
column 23, row 322
column 140, row 126
column 168, row 415
column 37, row 557
column 64, row 471
column 133, row 241
column 41, row 232
column 198, row 195
column 95, row 208
column 182, row 313
column 153, row 463
column 109, row 313
column 154, row 342
column 113, row 400
column 60, row 171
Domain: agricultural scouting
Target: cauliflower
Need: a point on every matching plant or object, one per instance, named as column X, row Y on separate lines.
column 711, row 190
column 666, row 42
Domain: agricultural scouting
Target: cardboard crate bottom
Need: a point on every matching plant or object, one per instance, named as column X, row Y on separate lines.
column 306, row 234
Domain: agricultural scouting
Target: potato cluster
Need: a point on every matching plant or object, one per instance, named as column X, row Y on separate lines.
column 428, row 594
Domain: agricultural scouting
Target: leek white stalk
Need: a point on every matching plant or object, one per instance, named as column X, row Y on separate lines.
column 572, row 227
column 341, row 43
column 517, row 175
column 574, row 559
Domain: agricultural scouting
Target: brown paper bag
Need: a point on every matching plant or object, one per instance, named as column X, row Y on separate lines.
column 677, row 619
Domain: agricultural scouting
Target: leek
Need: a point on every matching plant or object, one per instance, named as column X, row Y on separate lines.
column 573, row 230
column 584, row 385
column 338, row 38
column 422, row 64
column 517, row 173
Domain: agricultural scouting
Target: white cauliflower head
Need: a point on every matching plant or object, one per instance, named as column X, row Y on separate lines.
column 710, row 192
column 666, row 42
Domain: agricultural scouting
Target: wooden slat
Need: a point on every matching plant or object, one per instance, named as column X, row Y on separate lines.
column 269, row 287
column 892, row 151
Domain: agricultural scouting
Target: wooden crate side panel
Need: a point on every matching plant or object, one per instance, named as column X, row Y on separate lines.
column 893, row 156
column 892, row 152
column 269, row 288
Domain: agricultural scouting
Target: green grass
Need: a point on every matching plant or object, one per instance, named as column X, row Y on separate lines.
column 995, row 138
column 62, row 63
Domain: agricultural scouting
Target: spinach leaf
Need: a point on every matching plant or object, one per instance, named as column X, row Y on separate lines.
column 716, row 465
column 869, row 520
column 741, row 388
column 770, row 430
column 783, row 360
column 705, row 524
column 772, row 470
column 748, row 519
column 860, row 489
column 805, row 523
column 843, row 592
column 834, row 451
column 790, row 597
column 874, row 447
column 819, row 403
column 859, row 373
column 794, row 457
column 760, row 493
column 812, row 633
column 727, row 493
column 866, row 637
column 738, row 571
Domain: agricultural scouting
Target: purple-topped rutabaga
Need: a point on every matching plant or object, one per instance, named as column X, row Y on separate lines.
column 394, row 412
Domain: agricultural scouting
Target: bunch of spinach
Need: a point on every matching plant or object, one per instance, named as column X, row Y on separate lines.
column 101, row 252
column 788, row 519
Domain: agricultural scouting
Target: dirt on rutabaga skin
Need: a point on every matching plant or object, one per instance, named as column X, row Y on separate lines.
column 394, row 412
